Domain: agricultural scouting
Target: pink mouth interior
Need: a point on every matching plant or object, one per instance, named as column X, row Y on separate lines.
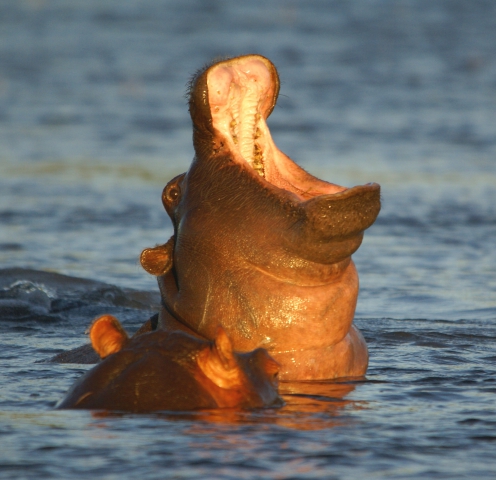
column 241, row 94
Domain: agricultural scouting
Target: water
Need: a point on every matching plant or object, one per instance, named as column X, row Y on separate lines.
column 93, row 123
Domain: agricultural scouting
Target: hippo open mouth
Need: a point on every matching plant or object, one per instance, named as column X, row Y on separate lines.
column 237, row 96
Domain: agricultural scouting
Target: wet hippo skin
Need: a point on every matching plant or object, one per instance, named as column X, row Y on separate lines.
column 159, row 371
column 260, row 246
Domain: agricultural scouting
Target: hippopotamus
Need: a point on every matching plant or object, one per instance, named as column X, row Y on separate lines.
column 260, row 246
column 161, row 370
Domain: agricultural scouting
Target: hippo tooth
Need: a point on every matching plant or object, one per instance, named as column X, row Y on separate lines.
column 237, row 99
column 249, row 108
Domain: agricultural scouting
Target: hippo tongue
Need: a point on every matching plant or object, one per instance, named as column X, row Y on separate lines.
column 241, row 95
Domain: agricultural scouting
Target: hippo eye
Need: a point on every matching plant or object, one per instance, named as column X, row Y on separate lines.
column 171, row 194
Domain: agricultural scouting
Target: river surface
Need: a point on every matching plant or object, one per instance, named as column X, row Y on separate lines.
column 93, row 123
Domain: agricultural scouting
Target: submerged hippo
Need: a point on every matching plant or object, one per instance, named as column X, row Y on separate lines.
column 260, row 245
column 171, row 371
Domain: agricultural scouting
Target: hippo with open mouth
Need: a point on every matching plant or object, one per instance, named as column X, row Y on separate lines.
column 260, row 246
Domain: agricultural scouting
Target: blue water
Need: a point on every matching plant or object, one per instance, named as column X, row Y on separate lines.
column 93, row 123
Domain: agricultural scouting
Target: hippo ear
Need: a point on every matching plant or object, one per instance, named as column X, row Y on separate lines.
column 158, row 260
column 107, row 335
column 219, row 364
column 223, row 349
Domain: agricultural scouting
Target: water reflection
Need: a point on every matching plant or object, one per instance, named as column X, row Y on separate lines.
column 316, row 405
column 310, row 405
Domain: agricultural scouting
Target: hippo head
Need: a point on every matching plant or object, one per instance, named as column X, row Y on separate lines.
column 260, row 245
column 160, row 370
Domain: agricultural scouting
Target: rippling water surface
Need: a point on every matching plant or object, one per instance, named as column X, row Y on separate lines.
column 93, row 123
